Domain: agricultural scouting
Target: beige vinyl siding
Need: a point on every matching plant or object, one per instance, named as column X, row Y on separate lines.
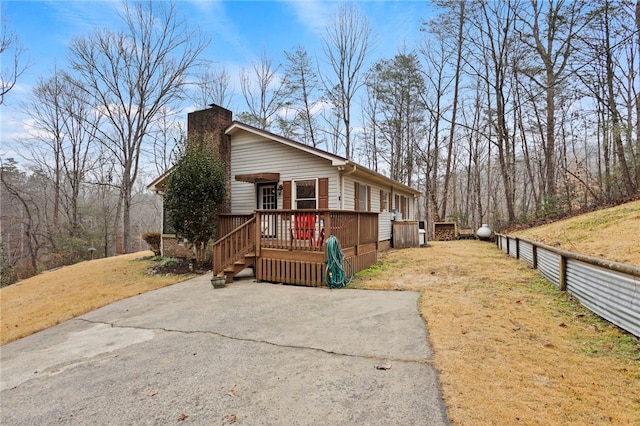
column 349, row 193
column 252, row 154
column 384, row 220
column 375, row 198
column 384, row 226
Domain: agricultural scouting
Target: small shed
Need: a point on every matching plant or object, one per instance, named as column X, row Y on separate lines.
column 405, row 234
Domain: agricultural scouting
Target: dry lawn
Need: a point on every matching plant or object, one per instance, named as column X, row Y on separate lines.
column 612, row 234
column 511, row 349
column 50, row 298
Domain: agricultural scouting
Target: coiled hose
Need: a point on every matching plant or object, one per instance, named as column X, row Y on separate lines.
column 335, row 275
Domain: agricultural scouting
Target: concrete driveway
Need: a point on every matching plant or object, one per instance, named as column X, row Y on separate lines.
column 251, row 353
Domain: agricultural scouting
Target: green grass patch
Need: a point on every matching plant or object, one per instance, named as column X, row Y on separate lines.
column 601, row 221
column 374, row 270
column 595, row 335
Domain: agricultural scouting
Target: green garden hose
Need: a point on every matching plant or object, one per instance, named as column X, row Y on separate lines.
column 336, row 276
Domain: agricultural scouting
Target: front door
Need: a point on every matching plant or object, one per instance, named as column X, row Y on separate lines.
column 268, row 200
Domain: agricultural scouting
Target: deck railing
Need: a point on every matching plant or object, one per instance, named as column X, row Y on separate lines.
column 289, row 244
column 307, row 230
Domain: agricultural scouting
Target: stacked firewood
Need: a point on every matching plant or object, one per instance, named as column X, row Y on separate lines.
column 445, row 231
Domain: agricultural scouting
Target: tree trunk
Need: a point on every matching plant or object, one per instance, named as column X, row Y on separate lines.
column 447, row 173
column 615, row 116
column 550, row 142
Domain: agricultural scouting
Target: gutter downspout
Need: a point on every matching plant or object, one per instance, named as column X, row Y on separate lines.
column 342, row 175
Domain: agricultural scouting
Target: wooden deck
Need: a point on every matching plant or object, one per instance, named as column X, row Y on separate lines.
column 288, row 246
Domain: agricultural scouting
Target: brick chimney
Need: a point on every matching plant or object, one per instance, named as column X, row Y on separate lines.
column 207, row 126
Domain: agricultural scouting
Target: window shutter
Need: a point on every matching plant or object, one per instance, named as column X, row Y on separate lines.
column 356, row 196
column 381, row 200
column 368, row 198
column 286, row 194
column 323, row 193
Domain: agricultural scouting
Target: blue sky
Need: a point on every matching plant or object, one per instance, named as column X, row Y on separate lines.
column 239, row 32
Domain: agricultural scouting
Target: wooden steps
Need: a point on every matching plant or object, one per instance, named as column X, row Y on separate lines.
column 231, row 271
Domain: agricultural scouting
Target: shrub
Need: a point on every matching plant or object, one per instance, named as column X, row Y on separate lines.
column 7, row 274
column 153, row 239
column 195, row 189
column 169, row 261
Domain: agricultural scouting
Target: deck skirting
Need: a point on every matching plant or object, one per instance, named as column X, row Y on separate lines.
column 273, row 266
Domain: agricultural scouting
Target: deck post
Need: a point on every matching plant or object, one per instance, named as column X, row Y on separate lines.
column 258, row 234
column 327, row 223
column 359, row 219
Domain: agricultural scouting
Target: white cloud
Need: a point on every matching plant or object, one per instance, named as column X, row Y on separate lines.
column 313, row 14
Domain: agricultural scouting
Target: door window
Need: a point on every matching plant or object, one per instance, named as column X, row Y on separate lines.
column 267, row 197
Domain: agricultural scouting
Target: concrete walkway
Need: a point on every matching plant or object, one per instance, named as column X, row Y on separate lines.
column 250, row 353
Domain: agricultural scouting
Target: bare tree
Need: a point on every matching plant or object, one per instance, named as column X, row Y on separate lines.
column 458, row 11
column 437, row 81
column 23, row 192
column 65, row 123
column 617, row 120
column 491, row 61
column 213, row 85
column 267, row 96
column 345, row 45
column 132, row 75
column 370, row 133
column 12, row 66
column 551, row 35
column 48, row 117
column 333, row 127
column 167, row 135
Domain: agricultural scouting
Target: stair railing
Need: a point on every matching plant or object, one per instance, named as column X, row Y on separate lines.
column 234, row 246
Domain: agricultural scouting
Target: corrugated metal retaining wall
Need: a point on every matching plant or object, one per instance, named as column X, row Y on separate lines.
column 609, row 289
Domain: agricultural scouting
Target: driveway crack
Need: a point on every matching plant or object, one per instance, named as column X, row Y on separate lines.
column 265, row 342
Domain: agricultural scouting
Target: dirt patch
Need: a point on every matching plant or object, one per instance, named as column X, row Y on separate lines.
column 177, row 267
column 509, row 347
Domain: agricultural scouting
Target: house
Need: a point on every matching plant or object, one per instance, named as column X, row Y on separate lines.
column 286, row 198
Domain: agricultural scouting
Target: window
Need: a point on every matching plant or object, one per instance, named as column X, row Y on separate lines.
column 362, row 201
column 305, row 194
column 363, row 197
column 305, row 191
column 166, row 227
column 401, row 206
column 384, row 206
column 405, row 207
